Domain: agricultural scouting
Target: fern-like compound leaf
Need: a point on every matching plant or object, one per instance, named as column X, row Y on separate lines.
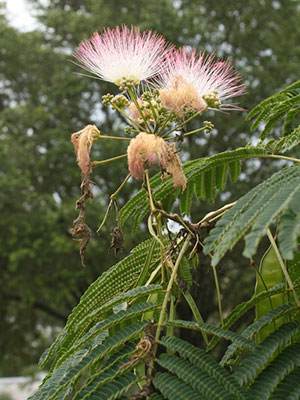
column 289, row 141
column 242, row 308
column 290, row 228
column 204, row 177
column 108, row 323
column 254, row 212
column 173, row 388
column 199, row 380
column 205, row 363
column 66, row 374
column 257, row 360
column 120, row 366
column 112, row 283
column 271, row 110
column 113, row 389
column 255, row 327
column 289, row 388
column 285, row 363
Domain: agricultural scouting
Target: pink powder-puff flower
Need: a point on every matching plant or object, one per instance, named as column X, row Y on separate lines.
column 148, row 149
column 198, row 82
column 123, row 54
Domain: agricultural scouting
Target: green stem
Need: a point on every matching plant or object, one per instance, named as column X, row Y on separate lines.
column 164, row 124
column 145, row 270
column 196, row 312
column 165, row 301
column 170, row 329
column 169, row 289
column 136, row 125
column 283, row 267
column 120, row 187
column 148, row 186
column 218, row 294
column 112, row 199
column 283, row 158
column 95, row 163
column 134, row 99
column 177, row 127
column 191, row 132
column 113, row 137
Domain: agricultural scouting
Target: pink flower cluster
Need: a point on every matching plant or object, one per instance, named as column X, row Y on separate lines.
column 183, row 80
column 182, row 76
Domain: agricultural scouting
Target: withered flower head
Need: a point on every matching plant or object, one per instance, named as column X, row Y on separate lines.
column 83, row 141
column 147, row 149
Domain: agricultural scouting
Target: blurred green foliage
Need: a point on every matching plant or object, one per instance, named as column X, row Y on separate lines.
column 42, row 102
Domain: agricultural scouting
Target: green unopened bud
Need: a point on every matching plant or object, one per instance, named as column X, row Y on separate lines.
column 127, row 83
column 120, row 101
column 209, row 126
column 189, row 112
column 147, row 96
column 212, row 99
column 129, row 130
column 106, row 99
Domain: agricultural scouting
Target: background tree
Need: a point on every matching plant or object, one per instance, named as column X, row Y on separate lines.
column 42, row 102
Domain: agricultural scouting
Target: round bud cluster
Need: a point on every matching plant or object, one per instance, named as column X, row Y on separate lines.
column 212, row 100
column 189, row 112
column 128, row 130
column 107, row 98
column 209, row 126
column 126, row 83
column 120, row 102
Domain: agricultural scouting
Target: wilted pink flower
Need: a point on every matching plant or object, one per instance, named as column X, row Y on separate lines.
column 147, row 149
column 117, row 54
column 189, row 80
column 83, row 141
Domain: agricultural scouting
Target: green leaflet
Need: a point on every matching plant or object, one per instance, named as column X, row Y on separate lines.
column 98, row 382
column 229, row 335
column 288, row 123
column 204, row 177
column 83, row 326
column 254, row 212
column 294, row 272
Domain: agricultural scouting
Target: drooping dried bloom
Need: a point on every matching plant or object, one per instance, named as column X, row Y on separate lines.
column 127, row 54
column 82, row 141
column 198, row 82
column 147, row 149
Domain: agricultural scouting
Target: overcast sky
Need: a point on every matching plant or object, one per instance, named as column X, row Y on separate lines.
column 19, row 14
